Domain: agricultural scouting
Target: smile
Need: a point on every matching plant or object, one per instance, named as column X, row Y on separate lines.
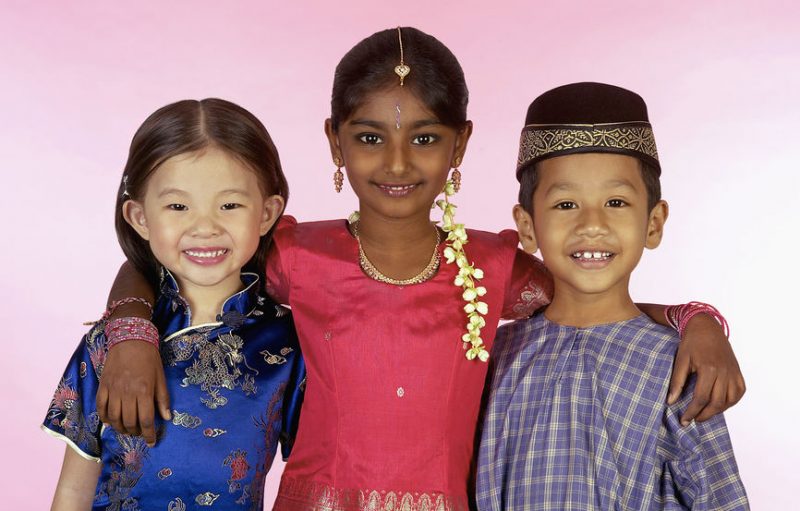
column 397, row 190
column 206, row 254
column 592, row 255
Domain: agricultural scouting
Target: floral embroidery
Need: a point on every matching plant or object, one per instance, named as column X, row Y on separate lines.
column 531, row 297
column 304, row 495
column 269, row 424
column 164, row 473
column 66, row 415
column 237, row 462
column 125, row 474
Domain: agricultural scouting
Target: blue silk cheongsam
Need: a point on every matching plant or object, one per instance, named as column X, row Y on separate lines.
column 236, row 388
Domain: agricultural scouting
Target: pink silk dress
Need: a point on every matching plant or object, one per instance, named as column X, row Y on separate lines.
column 391, row 405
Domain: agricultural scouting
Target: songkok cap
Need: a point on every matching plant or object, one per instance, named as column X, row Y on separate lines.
column 587, row 117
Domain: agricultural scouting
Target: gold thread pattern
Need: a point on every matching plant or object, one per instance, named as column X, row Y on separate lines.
column 305, row 495
column 538, row 141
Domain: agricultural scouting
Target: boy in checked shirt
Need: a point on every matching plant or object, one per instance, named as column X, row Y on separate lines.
column 577, row 417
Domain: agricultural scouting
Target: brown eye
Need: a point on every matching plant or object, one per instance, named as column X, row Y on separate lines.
column 425, row 139
column 616, row 203
column 177, row 207
column 566, row 205
column 370, row 139
column 230, row 205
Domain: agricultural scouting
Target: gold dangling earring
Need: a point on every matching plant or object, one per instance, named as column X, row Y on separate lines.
column 455, row 176
column 338, row 176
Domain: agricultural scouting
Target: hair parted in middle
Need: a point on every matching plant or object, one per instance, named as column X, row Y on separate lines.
column 185, row 127
column 436, row 77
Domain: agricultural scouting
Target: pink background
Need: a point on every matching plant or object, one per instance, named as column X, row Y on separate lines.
column 721, row 79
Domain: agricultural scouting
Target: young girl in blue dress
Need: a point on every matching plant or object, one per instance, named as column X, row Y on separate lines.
column 201, row 191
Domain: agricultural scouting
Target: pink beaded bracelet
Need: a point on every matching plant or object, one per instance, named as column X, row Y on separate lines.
column 678, row 316
column 130, row 329
column 123, row 301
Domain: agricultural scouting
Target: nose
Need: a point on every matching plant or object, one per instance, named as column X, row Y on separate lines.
column 397, row 163
column 591, row 223
column 205, row 225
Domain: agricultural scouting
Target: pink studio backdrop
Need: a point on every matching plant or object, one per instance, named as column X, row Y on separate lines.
column 721, row 79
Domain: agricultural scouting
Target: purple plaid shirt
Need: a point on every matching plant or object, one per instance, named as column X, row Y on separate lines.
column 577, row 420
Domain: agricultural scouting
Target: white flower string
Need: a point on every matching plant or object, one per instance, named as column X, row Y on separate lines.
column 467, row 276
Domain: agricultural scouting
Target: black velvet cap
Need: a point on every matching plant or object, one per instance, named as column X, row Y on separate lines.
column 587, row 117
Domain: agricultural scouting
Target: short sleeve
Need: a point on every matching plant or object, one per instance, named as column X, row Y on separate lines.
column 697, row 465
column 292, row 400
column 280, row 259
column 529, row 286
column 72, row 415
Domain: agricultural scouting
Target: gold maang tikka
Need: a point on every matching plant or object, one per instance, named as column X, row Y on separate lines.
column 401, row 70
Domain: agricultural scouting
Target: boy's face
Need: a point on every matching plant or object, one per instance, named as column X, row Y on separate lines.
column 590, row 221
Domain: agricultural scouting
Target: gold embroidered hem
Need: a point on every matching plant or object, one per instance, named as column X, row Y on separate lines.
column 538, row 141
column 304, row 495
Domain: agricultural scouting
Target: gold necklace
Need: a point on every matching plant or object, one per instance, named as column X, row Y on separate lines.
column 372, row 272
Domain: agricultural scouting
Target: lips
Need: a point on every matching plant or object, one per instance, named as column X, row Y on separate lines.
column 397, row 190
column 206, row 255
column 592, row 259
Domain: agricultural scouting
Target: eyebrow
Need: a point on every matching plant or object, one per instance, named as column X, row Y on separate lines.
column 380, row 125
column 178, row 191
column 567, row 186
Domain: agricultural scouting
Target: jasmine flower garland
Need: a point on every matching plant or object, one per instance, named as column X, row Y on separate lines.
column 467, row 276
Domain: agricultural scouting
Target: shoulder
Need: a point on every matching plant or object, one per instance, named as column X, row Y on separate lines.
column 515, row 339
column 645, row 334
column 506, row 240
column 291, row 232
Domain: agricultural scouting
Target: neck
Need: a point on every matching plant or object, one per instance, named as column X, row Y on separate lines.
column 398, row 248
column 574, row 308
column 205, row 302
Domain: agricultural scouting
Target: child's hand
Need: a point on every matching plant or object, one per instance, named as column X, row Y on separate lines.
column 706, row 351
column 132, row 377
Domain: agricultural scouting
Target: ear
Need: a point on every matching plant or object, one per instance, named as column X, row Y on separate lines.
column 133, row 213
column 333, row 141
column 273, row 207
column 462, row 137
column 655, row 225
column 524, row 222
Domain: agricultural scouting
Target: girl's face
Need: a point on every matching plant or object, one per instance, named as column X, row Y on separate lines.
column 397, row 154
column 203, row 214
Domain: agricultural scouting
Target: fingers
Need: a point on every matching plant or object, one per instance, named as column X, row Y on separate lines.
column 145, row 412
column 737, row 390
column 162, row 397
column 702, row 394
column 719, row 399
column 130, row 416
column 114, row 415
column 102, row 403
column 680, row 372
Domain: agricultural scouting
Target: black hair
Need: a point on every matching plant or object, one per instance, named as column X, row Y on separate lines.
column 436, row 77
column 529, row 180
column 185, row 127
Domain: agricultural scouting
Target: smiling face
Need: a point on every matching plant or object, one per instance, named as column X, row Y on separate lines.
column 397, row 154
column 591, row 223
column 203, row 214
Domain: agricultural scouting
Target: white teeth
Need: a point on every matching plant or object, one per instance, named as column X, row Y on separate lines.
column 214, row 253
column 592, row 255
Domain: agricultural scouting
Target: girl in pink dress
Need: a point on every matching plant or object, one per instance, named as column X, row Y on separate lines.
column 395, row 316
